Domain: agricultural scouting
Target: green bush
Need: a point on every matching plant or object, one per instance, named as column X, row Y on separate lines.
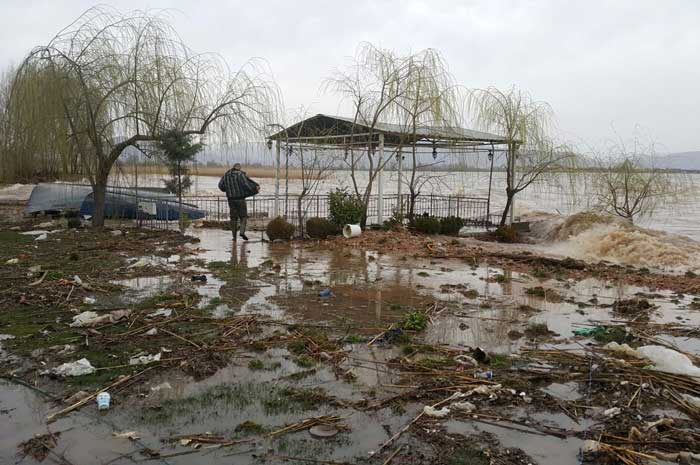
column 451, row 225
column 74, row 223
column 279, row 228
column 393, row 223
column 345, row 208
column 414, row 321
column 320, row 228
column 507, row 234
column 427, row 224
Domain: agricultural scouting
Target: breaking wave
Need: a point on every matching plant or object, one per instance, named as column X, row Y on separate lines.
column 594, row 237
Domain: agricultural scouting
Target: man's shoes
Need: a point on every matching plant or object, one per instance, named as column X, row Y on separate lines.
column 244, row 237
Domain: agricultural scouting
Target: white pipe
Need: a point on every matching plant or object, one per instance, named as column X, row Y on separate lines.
column 351, row 230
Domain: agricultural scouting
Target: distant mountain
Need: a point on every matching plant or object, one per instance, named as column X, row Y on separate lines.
column 679, row 161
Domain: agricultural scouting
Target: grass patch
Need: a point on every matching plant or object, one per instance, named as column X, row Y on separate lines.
column 500, row 361
column 305, row 361
column 535, row 330
column 414, row 321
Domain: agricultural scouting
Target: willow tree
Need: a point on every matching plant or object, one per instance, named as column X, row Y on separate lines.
column 627, row 183
column 34, row 143
column 523, row 122
column 427, row 97
column 133, row 79
column 371, row 85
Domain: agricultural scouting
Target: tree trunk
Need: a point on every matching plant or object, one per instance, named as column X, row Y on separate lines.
column 509, row 201
column 99, row 191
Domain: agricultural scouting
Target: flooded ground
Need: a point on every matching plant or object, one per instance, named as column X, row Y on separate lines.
column 351, row 360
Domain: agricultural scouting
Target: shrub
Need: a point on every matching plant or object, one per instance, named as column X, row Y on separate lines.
column 427, row 224
column 414, row 321
column 74, row 223
column 320, row 228
column 345, row 208
column 393, row 223
column 507, row 234
column 279, row 228
column 451, row 225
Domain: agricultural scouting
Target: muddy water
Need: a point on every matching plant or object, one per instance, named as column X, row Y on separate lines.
column 472, row 306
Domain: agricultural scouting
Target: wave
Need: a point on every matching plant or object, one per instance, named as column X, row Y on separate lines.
column 593, row 237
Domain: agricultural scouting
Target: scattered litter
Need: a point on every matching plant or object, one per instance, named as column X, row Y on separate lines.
column 590, row 446
column 483, row 374
column 46, row 224
column 612, row 412
column 436, row 413
column 161, row 387
column 323, row 431
column 166, row 312
column 480, row 355
column 145, row 359
column 116, row 232
column 598, row 330
column 466, row 360
column 78, row 368
column 103, row 399
column 664, row 359
column 131, row 435
column 77, row 280
column 466, row 407
column 173, row 259
column 89, row 300
column 151, row 332
column 37, row 232
column 325, row 293
column 139, row 263
column 34, row 269
column 669, row 361
column 202, row 278
column 41, row 237
column 12, row 261
column 91, row 318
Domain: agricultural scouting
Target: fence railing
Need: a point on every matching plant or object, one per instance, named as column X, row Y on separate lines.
column 473, row 210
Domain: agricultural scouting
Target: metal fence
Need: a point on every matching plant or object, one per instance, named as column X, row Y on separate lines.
column 473, row 210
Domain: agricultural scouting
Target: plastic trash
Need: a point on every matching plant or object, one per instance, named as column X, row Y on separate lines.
column 77, row 280
column 483, row 374
column 612, row 412
column 325, row 293
column 145, row 359
column 466, row 360
column 130, row 435
column 78, row 368
column 436, row 413
column 351, row 230
column 41, row 237
column 173, row 259
column 694, row 401
column 669, row 361
column 91, row 318
column 103, row 399
column 166, row 312
column 590, row 331
column 12, row 261
column 151, row 332
column 116, row 232
column 621, row 348
column 466, row 407
column 160, row 387
column 202, row 278
column 89, row 300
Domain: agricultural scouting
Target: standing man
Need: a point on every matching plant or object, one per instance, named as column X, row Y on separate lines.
column 238, row 186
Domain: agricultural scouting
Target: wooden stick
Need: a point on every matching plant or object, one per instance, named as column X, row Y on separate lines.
column 40, row 280
column 84, row 401
column 181, row 338
column 391, row 457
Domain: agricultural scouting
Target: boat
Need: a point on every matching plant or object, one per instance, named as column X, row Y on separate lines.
column 120, row 202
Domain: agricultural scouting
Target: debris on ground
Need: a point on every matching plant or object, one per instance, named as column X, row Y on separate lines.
column 78, row 368
column 40, row 446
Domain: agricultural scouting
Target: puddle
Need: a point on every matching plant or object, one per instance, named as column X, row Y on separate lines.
column 563, row 391
column 140, row 289
column 545, row 450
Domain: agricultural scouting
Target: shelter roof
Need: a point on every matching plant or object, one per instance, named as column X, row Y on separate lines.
column 340, row 131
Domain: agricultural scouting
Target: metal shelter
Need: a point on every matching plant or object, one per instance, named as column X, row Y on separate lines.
column 341, row 133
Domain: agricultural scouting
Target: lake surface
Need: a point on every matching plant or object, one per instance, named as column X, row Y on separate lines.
column 552, row 195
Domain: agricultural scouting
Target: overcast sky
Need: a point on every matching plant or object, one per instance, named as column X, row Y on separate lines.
column 603, row 66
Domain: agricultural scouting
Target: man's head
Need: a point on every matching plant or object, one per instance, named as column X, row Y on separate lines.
column 237, row 166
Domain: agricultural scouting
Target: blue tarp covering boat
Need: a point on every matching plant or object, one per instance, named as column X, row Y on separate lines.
column 120, row 202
